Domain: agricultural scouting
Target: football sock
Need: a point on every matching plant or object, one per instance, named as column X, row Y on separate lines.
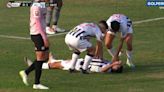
column 129, row 55
column 30, row 68
column 87, row 60
column 75, row 56
column 38, row 71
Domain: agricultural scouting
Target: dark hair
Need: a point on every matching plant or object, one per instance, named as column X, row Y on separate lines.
column 104, row 23
column 115, row 26
column 119, row 70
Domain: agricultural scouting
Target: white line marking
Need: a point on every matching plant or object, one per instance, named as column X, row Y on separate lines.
column 14, row 37
column 147, row 20
column 27, row 38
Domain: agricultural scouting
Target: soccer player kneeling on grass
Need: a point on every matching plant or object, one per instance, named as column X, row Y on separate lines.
column 120, row 23
column 78, row 41
column 40, row 40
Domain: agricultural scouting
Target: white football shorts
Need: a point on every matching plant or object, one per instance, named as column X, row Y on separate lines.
column 75, row 43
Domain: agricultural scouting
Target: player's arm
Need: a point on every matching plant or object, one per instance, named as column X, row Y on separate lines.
column 109, row 66
column 99, row 50
column 99, row 47
column 37, row 17
column 109, row 39
column 116, row 58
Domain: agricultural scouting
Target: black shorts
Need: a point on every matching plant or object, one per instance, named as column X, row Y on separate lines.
column 58, row 2
column 39, row 43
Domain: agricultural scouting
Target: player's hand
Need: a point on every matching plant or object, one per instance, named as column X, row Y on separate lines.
column 116, row 63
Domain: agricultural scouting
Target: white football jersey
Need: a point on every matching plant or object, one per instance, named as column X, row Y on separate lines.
column 97, row 65
column 94, row 66
column 125, row 24
column 86, row 31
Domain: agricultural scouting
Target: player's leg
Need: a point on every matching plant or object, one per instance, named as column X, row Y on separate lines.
column 128, row 41
column 42, row 54
column 85, row 44
column 25, row 73
column 41, row 58
column 56, row 16
column 72, row 43
column 52, row 64
column 108, row 43
column 75, row 56
column 88, row 59
column 56, row 10
column 55, row 65
column 48, row 18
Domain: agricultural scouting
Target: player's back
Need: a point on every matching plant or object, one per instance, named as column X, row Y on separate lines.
column 89, row 28
column 86, row 31
column 117, row 17
column 125, row 23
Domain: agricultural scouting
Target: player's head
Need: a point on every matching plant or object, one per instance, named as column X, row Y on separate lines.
column 115, row 26
column 103, row 26
column 117, row 69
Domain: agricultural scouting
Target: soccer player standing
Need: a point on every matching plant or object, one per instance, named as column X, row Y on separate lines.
column 78, row 41
column 40, row 40
column 120, row 23
column 53, row 12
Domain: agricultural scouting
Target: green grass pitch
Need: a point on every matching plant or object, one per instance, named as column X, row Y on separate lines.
column 148, row 49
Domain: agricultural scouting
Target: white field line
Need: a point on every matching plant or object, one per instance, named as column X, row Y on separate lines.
column 27, row 38
column 14, row 37
column 148, row 20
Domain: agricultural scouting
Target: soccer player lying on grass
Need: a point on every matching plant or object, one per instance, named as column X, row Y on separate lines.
column 96, row 65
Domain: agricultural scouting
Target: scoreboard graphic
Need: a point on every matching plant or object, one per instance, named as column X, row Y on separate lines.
column 158, row 3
